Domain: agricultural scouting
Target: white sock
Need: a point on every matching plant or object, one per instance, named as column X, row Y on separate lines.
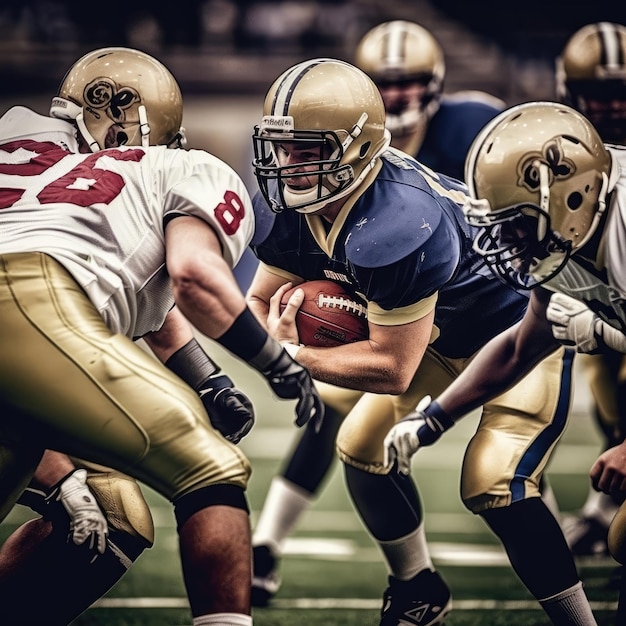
column 599, row 506
column 284, row 504
column 569, row 608
column 223, row 619
column 407, row 556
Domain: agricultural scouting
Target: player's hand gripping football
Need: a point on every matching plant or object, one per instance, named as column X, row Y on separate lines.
column 282, row 325
column 419, row 428
column 230, row 410
column 87, row 521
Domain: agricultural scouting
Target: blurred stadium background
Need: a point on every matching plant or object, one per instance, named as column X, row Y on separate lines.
column 225, row 54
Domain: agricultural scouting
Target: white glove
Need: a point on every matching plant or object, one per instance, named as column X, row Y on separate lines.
column 415, row 430
column 573, row 323
column 86, row 518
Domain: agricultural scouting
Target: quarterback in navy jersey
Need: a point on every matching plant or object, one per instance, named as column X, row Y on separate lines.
column 336, row 202
column 421, row 247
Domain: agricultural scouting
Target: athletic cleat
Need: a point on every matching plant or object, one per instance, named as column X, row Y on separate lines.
column 424, row 600
column 265, row 577
column 586, row 536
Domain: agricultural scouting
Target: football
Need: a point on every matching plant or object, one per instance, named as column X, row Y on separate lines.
column 329, row 315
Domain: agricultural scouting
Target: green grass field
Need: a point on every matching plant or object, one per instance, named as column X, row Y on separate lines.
column 332, row 572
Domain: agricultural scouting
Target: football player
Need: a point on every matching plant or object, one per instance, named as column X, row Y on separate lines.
column 591, row 77
column 92, row 200
column 104, row 507
column 548, row 196
column 407, row 64
column 336, row 201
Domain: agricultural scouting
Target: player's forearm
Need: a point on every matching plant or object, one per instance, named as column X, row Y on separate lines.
column 356, row 366
column 496, row 368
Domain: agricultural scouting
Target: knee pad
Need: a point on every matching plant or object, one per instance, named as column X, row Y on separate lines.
column 213, row 495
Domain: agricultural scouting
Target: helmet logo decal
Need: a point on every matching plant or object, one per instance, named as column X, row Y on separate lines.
column 552, row 155
column 103, row 93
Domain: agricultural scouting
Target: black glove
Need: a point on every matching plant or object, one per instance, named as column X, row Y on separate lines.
column 230, row 411
column 289, row 380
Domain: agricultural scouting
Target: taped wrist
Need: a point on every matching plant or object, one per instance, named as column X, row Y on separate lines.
column 245, row 338
column 192, row 364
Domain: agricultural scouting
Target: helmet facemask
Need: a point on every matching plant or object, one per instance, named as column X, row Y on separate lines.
column 417, row 102
column 304, row 186
column 517, row 243
column 322, row 133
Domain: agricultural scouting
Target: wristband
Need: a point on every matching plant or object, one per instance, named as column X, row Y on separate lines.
column 192, row 364
column 291, row 348
column 434, row 411
column 245, row 338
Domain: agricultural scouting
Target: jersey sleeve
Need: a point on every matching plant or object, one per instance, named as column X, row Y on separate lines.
column 211, row 190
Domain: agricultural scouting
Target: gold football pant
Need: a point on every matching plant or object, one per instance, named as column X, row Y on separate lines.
column 507, row 455
column 68, row 383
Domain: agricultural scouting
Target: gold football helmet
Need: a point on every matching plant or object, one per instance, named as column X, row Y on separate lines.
column 400, row 53
column 329, row 111
column 537, row 176
column 591, row 77
column 121, row 96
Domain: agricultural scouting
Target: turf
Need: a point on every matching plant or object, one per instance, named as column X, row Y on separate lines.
column 332, row 573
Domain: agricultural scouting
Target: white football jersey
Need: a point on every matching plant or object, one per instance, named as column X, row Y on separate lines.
column 102, row 215
column 603, row 284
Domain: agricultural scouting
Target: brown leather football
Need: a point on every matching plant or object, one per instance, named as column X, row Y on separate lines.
column 329, row 315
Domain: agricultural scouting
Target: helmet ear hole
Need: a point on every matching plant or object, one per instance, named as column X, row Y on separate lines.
column 364, row 149
column 574, row 201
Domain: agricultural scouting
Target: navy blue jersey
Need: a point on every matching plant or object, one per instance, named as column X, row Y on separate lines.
column 402, row 241
column 453, row 128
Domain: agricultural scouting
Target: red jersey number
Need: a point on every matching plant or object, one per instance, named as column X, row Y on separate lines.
column 230, row 212
column 84, row 185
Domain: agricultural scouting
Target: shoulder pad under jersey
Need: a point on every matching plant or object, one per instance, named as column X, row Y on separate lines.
column 384, row 233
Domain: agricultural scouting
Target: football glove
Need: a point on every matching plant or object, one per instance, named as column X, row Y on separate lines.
column 575, row 324
column 230, row 411
column 290, row 381
column 87, row 521
column 421, row 427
